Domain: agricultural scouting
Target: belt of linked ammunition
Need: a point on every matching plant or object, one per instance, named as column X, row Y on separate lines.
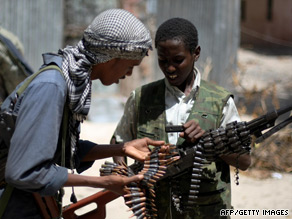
column 141, row 197
column 235, row 138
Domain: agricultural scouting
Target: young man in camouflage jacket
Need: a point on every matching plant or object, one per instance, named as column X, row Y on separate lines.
column 183, row 98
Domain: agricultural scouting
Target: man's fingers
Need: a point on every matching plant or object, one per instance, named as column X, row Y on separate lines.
column 200, row 134
column 155, row 143
column 134, row 178
column 195, row 133
column 191, row 123
column 164, row 148
column 182, row 135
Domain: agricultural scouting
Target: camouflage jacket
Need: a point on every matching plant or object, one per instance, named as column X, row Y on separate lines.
column 207, row 111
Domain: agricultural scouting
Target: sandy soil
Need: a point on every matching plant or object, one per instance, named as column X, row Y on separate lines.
column 256, row 190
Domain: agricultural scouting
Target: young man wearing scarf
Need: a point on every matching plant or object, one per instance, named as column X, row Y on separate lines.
column 113, row 44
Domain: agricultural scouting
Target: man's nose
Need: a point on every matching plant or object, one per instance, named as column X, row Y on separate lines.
column 170, row 68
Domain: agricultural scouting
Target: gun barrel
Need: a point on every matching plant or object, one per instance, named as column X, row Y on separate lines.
column 284, row 110
column 266, row 121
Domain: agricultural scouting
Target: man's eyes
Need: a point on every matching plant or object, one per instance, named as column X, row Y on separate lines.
column 178, row 61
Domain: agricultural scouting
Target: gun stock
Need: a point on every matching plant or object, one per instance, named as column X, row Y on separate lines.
column 100, row 198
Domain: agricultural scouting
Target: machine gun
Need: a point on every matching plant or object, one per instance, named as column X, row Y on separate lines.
column 241, row 131
column 235, row 138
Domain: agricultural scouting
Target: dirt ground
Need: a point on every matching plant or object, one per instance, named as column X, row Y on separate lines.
column 258, row 189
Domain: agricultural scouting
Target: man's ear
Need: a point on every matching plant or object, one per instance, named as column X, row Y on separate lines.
column 197, row 53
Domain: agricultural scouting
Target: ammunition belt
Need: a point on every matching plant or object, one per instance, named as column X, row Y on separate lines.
column 235, row 138
column 141, row 196
column 196, row 174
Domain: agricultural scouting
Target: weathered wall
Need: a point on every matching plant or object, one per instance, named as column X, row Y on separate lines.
column 47, row 25
column 79, row 14
column 38, row 24
column 266, row 21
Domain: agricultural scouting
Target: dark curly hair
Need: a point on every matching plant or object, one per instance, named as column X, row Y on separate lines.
column 180, row 29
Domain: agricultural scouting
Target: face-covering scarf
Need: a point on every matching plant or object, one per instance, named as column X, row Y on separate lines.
column 114, row 33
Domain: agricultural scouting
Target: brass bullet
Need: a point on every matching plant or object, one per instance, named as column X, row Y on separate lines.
column 136, row 201
column 134, row 194
column 137, row 206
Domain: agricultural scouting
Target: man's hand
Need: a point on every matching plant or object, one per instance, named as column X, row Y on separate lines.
column 138, row 149
column 192, row 131
column 118, row 183
column 115, row 183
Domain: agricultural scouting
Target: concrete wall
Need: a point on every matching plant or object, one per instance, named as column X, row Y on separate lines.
column 266, row 21
column 38, row 25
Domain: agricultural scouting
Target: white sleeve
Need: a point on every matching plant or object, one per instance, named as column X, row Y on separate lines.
column 230, row 113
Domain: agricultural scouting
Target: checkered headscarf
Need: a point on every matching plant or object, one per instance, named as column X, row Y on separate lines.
column 115, row 33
